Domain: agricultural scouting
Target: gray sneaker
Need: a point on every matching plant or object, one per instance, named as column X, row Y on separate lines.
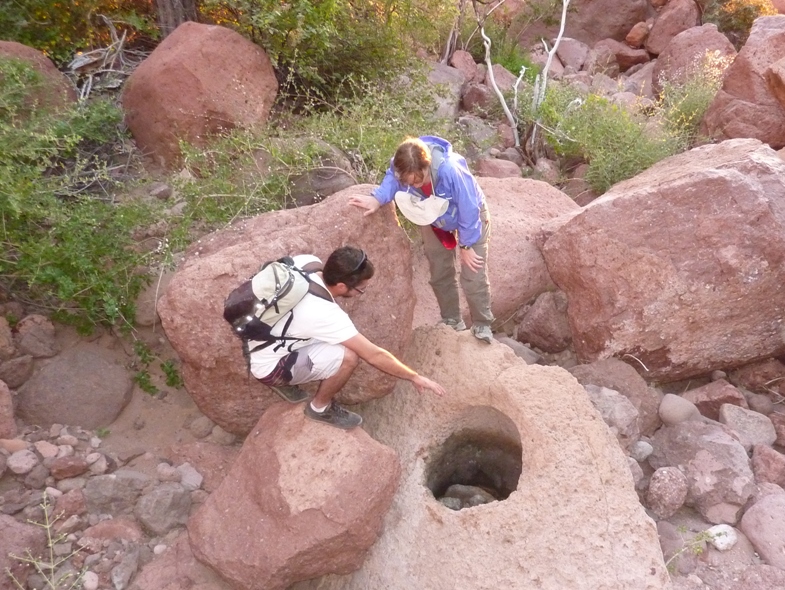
column 335, row 415
column 482, row 333
column 291, row 393
column 458, row 325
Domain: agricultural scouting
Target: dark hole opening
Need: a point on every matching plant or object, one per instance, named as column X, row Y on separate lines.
column 474, row 467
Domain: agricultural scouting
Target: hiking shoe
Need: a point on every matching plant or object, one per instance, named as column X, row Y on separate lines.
column 482, row 333
column 291, row 393
column 457, row 325
column 335, row 415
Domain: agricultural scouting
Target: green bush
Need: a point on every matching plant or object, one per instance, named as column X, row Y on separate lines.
column 66, row 247
column 682, row 104
column 366, row 124
column 735, row 17
column 317, row 43
column 61, row 28
column 616, row 143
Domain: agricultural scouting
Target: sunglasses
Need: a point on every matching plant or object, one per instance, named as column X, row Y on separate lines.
column 361, row 264
column 360, row 291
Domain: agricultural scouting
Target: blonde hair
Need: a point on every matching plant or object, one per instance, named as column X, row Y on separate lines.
column 411, row 159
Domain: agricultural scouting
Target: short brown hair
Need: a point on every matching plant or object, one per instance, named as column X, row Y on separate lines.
column 411, row 158
column 347, row 265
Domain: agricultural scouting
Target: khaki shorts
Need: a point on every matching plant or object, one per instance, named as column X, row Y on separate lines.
column 315, row 362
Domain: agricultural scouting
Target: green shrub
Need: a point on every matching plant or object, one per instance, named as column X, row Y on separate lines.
column 66, row 247
column 317, row 44
column 60, row 28
column 735, row 17
column 366, row 124
column 682, row 104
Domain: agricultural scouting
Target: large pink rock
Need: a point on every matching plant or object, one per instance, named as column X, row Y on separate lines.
column 677, row 16
column 191, row 309
column 16, row 538
column 202, row 79
column 55, row 91
column 745, row 105
column 302, row 500
column 680, row 267
column 689, row 51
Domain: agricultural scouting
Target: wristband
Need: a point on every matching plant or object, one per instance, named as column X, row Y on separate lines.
column 465, row 247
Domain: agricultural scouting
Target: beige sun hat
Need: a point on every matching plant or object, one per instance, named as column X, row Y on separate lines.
column 420, row 211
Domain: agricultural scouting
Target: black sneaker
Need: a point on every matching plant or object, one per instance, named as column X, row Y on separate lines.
column 291, row 393
column 335, row 415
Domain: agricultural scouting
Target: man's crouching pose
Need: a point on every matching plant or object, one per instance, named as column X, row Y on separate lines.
column 331, row 347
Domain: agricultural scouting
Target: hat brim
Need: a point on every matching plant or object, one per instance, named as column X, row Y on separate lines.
column 420, row 211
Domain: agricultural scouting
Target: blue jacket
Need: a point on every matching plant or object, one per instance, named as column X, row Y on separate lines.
column 453, row 182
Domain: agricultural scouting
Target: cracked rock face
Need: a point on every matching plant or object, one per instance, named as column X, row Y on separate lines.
column 573, row 500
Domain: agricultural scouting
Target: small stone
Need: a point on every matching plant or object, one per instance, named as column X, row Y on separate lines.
column 166, row 472
column 65, row 451
column 190, row 478
column 67, row 439
column 90, row 580
column 723, row 536
column 640, row 450
column 46, row 449
column 95, row 442
column 221, row 437
column 54, row 430
column 22, row 462
column 201, row 427
column 159, row 549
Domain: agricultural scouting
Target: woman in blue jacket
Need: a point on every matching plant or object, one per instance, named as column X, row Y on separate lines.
column 427, row 167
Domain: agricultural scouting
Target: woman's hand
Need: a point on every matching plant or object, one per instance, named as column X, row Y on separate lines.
column 471, row 259
column 365, row 202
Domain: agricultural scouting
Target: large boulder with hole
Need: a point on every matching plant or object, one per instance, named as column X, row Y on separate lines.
column 302, row 500
column 191, row 310
column 526, row 435
column 680, row 268
column 53, row 91
column 201, row 80
column 698, row 49
column 745, row 106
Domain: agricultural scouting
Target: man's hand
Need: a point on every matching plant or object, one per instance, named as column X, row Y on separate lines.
column 365, row 202
column 471, row 259
column 422, row 383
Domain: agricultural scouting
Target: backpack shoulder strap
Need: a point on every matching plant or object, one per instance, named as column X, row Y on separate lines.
column 437, row 157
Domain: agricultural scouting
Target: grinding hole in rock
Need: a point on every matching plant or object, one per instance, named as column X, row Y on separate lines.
column 479, row 463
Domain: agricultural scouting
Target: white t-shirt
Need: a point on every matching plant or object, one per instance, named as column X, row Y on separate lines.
column 314, row 318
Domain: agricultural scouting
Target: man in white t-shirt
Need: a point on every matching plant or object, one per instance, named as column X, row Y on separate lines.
column 331, row 347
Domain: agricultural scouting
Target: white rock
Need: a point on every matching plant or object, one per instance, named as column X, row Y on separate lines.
column 53, row 493
column 92, row 458
column 95, row 442
column 65, row 451
column 723, row 536
column 46, row 449
column 640, row 450
column 90, row 581
column 67, row 439
column 158, row 549
column 191, row 479
column 22, row 462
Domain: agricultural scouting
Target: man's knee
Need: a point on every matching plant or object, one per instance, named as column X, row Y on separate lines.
column 350, row 359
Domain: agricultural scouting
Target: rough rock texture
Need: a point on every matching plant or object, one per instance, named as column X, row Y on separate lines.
column 621, row 377
column 55, row 91
column 745, row 105
column 519, row 207
column 200, row 80
column 85, row 386
column 683, row 283
column 302, row 500
column 574, row 496
column 590, row 20
column 545, row 323
column 7, row 423
column 177, row 569
column 15, row 538
column 676, row 17
column 191, row 310
column 764, row 525
column 687, row 50
column 710, row 397
column 718, row 470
